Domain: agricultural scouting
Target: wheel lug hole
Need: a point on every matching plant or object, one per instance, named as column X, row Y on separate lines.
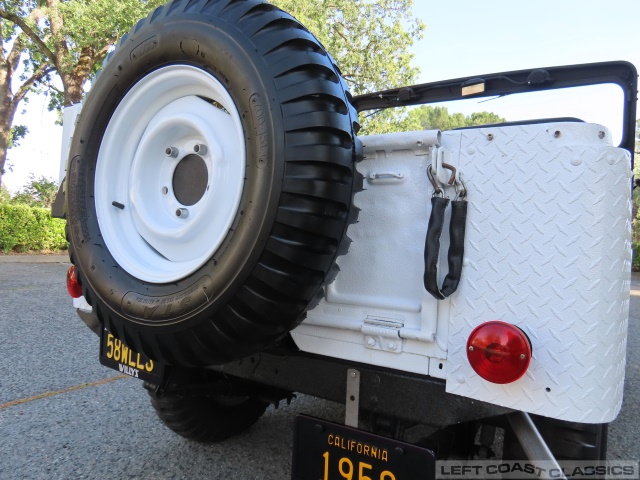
column 171, row 152
column 200, row 149
column 182, row 213
column 165, row 190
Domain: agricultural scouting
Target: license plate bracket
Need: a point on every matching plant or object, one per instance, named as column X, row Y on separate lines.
column 116, row 355
column 330, row 451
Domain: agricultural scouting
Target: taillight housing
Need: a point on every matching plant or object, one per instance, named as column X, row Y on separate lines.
column 74, row 288
column 499, row 352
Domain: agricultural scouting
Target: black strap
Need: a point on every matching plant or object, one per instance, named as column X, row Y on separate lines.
column 456, row 246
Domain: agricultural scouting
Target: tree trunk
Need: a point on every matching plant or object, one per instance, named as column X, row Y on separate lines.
column 74, row 81
column 72, row 89
column 6, row 118
column 7, row 112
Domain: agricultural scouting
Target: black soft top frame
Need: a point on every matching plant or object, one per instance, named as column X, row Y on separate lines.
column 621, row 73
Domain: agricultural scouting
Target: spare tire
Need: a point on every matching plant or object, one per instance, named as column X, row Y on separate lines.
column 210, row 180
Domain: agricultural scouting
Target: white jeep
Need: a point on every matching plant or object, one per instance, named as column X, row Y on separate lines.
column 234, row 241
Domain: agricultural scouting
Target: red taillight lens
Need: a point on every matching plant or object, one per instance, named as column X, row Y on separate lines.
column 75, row 290
column 499, row 352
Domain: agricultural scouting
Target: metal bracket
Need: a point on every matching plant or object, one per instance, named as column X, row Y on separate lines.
column 385, row 177
column 382, row 334
column 352, row 404
column 534, row 446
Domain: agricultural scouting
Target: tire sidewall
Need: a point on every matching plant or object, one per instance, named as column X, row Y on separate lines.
column 242, row 74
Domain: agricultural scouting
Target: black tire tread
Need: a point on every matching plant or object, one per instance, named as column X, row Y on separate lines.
column 202, row 418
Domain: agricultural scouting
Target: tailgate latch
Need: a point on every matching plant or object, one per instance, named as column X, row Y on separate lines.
column 382, row 334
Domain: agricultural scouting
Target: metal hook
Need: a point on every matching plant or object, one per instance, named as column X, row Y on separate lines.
column 461, row 194
column 453, row 173
column 436, row 189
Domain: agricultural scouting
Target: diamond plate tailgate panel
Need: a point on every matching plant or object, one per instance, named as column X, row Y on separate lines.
column 547, row 249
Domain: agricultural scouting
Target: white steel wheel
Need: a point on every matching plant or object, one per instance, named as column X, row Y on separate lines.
column 169, row 175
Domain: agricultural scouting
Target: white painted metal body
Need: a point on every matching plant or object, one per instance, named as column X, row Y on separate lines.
column 69, row 117
column 547, row 249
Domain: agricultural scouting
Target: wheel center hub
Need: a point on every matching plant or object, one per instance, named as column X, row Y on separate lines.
column 190, row 180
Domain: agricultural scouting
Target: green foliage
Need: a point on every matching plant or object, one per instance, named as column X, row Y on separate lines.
column 25, row 218
column 24, row 228
column 5, row 194
column 637, row 148
column 39, row 192
column 56, row 103
column 635, row 266
column 636, row 200
column 18, row 132
column 429, row 117
column 370, row 42
column 69, row 37
column 97, row 24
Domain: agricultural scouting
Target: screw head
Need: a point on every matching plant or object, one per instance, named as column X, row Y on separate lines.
column 353, row 374
column 392, row 346
column 522, row 356
column 490, row 137
column 371, row 341
column 471, row 348
column 601, row 134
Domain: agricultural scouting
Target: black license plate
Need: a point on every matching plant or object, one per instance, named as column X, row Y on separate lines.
column 328, row 451
column 115, row 354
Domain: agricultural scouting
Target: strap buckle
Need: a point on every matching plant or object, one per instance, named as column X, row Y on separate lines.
column 455, row 181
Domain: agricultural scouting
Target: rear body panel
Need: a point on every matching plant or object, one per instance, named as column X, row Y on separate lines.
column 547, row 249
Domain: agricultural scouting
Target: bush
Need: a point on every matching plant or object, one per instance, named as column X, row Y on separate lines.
column 24, row 228
column 635, row 265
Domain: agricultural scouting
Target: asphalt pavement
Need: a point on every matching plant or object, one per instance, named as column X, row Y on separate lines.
column 64, row 416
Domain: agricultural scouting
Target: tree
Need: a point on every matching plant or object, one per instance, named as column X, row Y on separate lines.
column 429, row 117
column 38, row 192
column 18, row 76
column 370, row 42
column 69, row 38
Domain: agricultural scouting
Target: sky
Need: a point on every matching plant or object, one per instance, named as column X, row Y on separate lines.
column 462, row 38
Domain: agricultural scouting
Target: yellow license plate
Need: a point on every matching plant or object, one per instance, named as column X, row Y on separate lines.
column 115, row 354
column 329, row 451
